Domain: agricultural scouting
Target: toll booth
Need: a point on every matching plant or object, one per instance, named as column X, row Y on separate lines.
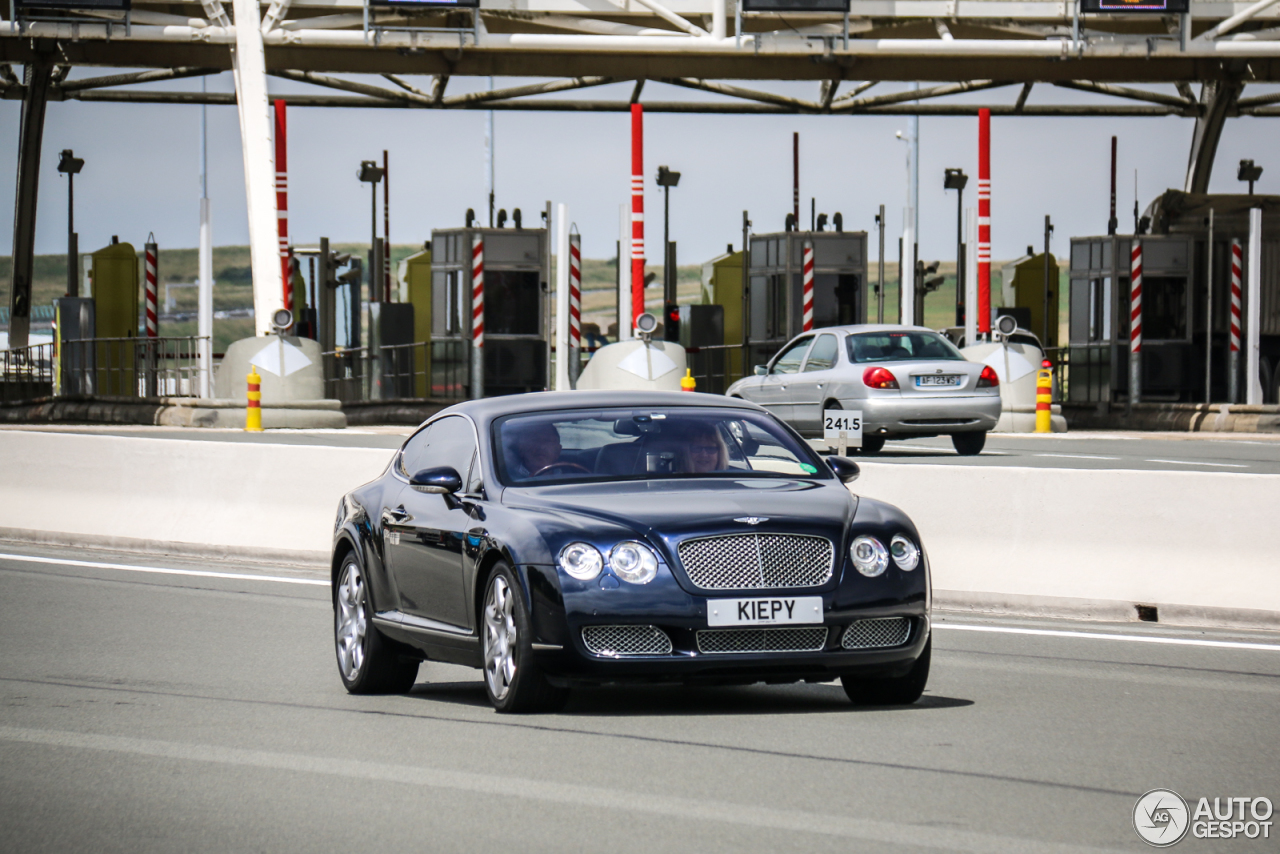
column 1179, row 293
column 415, row 289
column 722, row 286
column 516, row 338
column 1023, row 292
column 775, row 289
column 113, row 277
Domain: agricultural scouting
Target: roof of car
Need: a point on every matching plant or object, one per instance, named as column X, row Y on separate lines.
column 486, row 409
column 873, row 327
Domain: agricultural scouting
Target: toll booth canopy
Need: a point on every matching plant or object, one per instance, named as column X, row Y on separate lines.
column 1179, row 293
column 776, row 289
column 516, row 340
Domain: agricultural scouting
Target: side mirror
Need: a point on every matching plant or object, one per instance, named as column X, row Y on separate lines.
column 442, row 480
column 762, row 370
column 846, row 469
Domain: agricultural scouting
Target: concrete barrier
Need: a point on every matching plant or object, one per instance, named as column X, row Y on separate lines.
column 1076, row 543
column 1199, row 545
column 265, row 501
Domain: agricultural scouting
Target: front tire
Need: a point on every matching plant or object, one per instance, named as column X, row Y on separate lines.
column 894, row 691
column 969, row 444
column 367, row 662
column 512, row 678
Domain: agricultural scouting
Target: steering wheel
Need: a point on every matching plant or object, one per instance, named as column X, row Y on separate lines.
column 561, row 466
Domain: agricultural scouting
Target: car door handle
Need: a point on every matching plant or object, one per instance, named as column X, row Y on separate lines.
column 398, row 516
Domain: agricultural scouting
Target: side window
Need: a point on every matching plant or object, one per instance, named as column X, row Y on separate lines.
column 448, row 442
column 823, row 355
column 789, row 361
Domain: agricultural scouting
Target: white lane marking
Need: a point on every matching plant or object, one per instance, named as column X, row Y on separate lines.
column 1061, row 633
column 160, row 570
column 1191, row 463
column 548, row 791
column 1076, row 456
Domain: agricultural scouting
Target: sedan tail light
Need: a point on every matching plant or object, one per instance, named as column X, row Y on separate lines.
column 988, row 378
column 879, row 378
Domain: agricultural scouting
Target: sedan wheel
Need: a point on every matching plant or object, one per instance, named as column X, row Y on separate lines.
column 896, row 691
column 969, row 444
column 367, row 662
column 512, row 678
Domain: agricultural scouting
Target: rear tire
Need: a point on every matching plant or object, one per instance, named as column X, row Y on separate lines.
column 872, row 444
column 512, row 678
column 896, row 691
column 969, row 444
column 367, row 662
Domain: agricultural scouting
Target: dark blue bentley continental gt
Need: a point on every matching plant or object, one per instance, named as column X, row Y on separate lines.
column 557, row 539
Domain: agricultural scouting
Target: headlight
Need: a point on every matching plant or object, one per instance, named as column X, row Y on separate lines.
column 869, row 556
column 906, row 554
column 634, row 562
column 581, row 560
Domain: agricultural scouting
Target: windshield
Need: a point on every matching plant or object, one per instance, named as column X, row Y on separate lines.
column 900, row 346
column 580, row 446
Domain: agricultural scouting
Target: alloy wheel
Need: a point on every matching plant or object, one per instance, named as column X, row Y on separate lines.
column 351, row 621
column 499, row 638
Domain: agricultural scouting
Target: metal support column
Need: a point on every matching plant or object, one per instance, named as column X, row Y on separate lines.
column 1218, row 98
column 30, row 136
column 259, row 168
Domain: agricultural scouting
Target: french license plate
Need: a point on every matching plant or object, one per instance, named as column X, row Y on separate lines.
column 767, row 611
column 938, row 380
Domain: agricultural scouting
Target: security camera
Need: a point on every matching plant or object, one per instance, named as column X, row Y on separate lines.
column 1006, row 324
column 281, row 320
column 645, row 325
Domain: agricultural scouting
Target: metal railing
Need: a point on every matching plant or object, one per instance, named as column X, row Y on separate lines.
column 26, row 373
column 344, row 374
column 113, row 367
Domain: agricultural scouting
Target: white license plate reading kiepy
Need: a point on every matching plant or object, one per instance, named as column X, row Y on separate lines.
column 764, row 611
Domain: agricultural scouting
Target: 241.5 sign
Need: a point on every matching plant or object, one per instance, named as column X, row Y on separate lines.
column 846, row 421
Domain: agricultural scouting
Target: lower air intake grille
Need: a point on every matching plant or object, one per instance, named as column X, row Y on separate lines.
column 873, row 634
column 762, row 640
column 626, row 640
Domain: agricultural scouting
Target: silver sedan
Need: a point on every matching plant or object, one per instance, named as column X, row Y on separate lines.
column 907, row 381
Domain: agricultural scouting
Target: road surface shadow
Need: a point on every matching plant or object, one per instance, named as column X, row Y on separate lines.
column 653, row 700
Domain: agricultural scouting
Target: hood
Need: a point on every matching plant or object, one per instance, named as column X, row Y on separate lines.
column 672, row 509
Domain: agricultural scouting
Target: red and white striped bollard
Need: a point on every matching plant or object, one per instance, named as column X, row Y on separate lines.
column 808, row 286
column 282, row 204
column 150, row 253
column 1135, row 322
column 477, row 317
column 1237, row 265
column 637, row 215
column 984, row 222
column 575, row 305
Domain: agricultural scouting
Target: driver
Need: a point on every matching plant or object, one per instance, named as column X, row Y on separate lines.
column 536, row 447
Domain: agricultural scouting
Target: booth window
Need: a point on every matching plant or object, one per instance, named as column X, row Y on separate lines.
column 1164, row 308
column 511, row 302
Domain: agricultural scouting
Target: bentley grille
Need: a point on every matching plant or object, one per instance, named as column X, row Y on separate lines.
column 626, row 640
column 873, row 634
column 757, row 561
column 762, row 640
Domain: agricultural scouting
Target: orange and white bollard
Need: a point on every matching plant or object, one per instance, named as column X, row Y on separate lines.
column 1044, row 398
column 687, row 382
column 253, row 406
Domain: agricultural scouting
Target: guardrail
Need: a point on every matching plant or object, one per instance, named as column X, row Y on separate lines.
column 115, row 367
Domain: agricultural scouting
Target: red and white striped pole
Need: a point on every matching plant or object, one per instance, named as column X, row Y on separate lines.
column 808, row 286
column 282, row 204
column 637, row 213
column 575, row 304
column 477, row 317
column 984, row 221
column 1237, row 264
column 1135, row 322
column 150, row 252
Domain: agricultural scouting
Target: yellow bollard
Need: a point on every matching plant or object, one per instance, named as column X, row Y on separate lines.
column 253, row 407
column 687, row 382
column 1044, row 398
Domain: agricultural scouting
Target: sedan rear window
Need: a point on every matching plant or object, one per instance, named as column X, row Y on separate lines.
column 900, row 346
column 578, row 446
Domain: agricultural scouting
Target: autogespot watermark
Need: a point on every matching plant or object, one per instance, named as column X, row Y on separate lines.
column 1162, row 818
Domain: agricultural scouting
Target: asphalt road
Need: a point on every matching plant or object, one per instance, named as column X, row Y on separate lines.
column 1232, row 453
column 154, row 711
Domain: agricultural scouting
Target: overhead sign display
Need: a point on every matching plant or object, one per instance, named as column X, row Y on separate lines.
column 1154, row 7
column 836, row 6
column 113, row 5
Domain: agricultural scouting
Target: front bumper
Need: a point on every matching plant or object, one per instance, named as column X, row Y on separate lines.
column 915, row 415
column 572, row 662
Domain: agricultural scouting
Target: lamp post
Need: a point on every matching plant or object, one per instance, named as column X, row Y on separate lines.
column 371, row 173
column 70, row 165
column 666, row 180
column 1248, row 172
column 955, row 179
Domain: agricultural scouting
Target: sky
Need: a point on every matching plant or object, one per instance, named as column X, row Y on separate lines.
column 142, row 168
